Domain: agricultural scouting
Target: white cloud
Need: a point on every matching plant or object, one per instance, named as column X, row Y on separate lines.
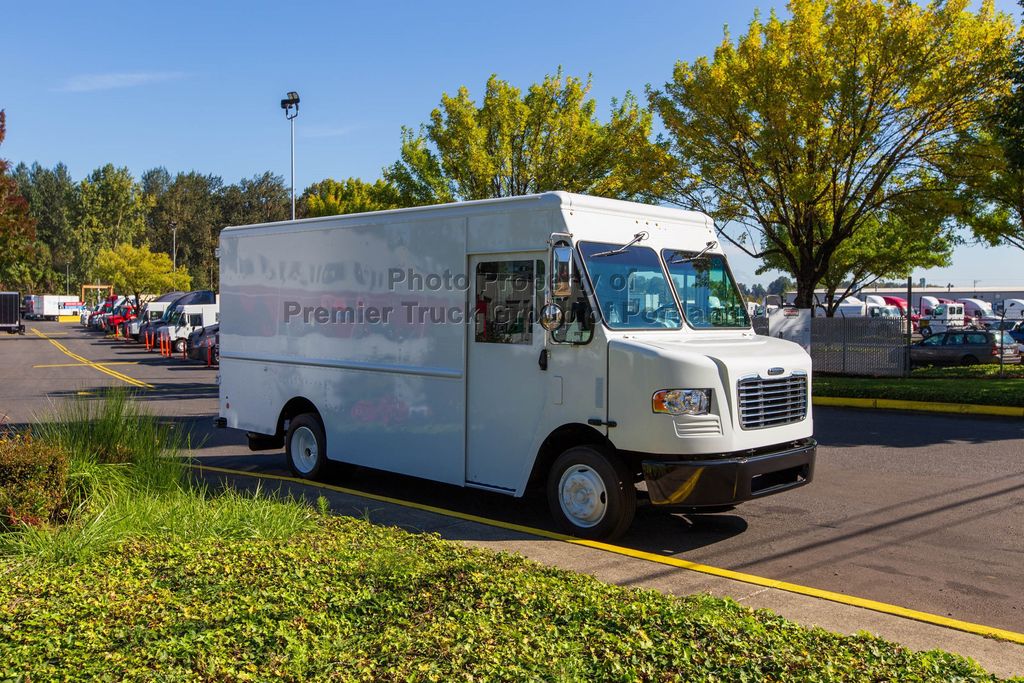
column 91, row 82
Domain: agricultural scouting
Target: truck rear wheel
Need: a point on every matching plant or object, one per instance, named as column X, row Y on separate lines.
column 306, row 446
column 590, row 493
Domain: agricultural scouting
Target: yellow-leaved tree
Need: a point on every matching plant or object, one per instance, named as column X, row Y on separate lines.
column 515, row 143
column 811, row 131
column 138, row 270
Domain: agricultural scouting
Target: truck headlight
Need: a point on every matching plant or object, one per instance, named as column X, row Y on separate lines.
column 682, row 401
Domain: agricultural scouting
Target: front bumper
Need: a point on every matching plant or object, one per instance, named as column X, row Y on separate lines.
column 730, row 480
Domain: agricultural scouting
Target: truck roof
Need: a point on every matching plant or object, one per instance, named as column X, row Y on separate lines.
column 552, row 200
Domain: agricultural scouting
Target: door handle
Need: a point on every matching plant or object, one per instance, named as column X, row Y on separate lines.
column 543, row 360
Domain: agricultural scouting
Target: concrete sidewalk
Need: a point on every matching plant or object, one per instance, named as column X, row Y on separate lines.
column 999, row 657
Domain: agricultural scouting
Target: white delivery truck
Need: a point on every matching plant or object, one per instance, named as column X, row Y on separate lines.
column 184, row 321
column 578, row 344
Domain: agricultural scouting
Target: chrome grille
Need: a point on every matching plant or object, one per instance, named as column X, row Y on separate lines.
column 772, row 402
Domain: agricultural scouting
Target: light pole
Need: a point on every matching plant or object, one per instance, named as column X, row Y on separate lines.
column 289, row 104
column 174, row 246
column 1002, row 323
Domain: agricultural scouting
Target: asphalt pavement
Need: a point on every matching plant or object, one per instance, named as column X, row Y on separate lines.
column 918, row 510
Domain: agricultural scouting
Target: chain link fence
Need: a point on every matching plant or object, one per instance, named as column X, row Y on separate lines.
column 859, row 346
column 874, row 347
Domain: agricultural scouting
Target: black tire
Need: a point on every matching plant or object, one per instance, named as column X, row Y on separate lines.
column 179, row 345
column 968, row 360
column 604, row 516
column 304, row 463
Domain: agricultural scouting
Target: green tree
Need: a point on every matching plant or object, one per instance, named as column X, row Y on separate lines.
column 18, row 253
column 112, row 212
column 758, row 292
column 989, row 163
column 807, row 131
column 140, row 271
column 515, row 144
column 882, row 249
column 53, row 199
column 260, row 199
column 780, row 285
column 153, row 184
column 992, row 187
column 330, row 197
column 191, row 204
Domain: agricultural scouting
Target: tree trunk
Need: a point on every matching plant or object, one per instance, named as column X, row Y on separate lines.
column 804, row 291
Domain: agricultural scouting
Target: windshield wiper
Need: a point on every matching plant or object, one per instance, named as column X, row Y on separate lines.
column 642, row 235
column 708, row 247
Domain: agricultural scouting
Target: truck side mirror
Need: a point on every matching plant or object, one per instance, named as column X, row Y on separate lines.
column 551, row 317
column 561, row 269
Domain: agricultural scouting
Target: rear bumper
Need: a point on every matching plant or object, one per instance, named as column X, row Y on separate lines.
column 730, row 480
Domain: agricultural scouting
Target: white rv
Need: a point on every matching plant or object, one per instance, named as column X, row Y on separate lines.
column 571, row 343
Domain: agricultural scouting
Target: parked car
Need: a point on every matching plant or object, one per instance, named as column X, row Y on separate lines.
column 198, row 342
column 1017, row 332
column 965, row 347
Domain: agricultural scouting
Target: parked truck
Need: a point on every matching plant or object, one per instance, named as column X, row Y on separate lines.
column 185, row 321
column 10, row 313
column 575, row 344
column 52, row 306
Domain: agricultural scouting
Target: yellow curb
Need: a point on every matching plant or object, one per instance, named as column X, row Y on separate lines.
column 864, row 603
column 926, row 406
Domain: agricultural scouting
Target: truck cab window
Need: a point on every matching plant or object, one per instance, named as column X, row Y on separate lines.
column 630, row 287
column 506, row 292
column 579, row 316
column 707, row 293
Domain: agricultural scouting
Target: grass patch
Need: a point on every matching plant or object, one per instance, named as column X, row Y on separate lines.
column 152, row 577
column 347, row 600
column 125, row 480
column 987, row 371
column 971, row 390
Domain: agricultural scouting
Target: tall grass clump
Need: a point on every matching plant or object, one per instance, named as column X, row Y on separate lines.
column 114, row 444
column 126, row 478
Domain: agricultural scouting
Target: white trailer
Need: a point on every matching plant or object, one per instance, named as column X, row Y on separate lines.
column 52, row 306
column 577, row 344
column 1012, row 309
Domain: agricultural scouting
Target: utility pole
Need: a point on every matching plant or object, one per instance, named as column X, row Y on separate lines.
column 174, row 246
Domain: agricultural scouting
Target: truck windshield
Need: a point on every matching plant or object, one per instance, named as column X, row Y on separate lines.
column 630, row 287
column 706, row 290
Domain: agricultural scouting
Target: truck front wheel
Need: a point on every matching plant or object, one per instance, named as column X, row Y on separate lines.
column 305, row 446
column 591, row 493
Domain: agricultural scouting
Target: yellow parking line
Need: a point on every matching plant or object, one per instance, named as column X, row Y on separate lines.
column 865, row 603
column 98, row 366
column 75, row 365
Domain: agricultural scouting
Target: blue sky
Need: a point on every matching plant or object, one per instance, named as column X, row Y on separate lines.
column 191, row 85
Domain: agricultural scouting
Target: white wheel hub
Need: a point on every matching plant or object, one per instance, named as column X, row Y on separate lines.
column 582, row 496
column 304, row 450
